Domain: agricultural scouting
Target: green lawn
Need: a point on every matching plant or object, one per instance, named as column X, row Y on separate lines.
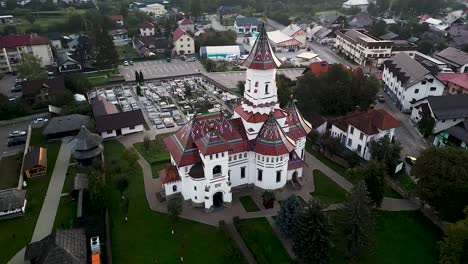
column 390, row 192
column 399, row 237
column 157, row 154
column 127, row 52
column 325, row 160
column 405, row 182
column 66, row 212
column 17, row 232
column 326, row 190
column 249, row 204
column 262, row 241
column 147, row 238
column 10, row 167
column 70, row 177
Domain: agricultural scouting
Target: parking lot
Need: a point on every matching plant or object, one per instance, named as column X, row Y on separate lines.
column 4, row 131
column 230, row 79
column 160, row 69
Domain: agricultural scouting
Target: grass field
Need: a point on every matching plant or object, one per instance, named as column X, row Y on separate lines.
column 157, row 154
column 17, row 232
column 262, row 241
column 10, row 169
column 390, row 192
column 66, row 212
column 405, row 182
column 147, row 238
column 127, row 52
column 249, row 204
column 399, row 237
column 70, row 177
column 326, row 190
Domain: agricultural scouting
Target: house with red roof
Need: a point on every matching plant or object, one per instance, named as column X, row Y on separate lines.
column 12, row 46
column 117, row 19
column 184, row 43
column 455, row 83
column 261, row 146
column 186, row 24
column 320, row 67
column 358, row 129
column 147, row 29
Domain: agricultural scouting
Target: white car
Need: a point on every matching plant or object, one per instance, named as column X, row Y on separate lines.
column 126, row 63
column 40, row 120
column 192, row 59
column 17, row 133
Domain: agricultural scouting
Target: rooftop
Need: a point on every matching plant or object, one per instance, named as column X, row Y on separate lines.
column 247, row 21
column 86, row 144
column 11, row 199
column 13, row 41
column 453, row 56
column 449, row 106
column 36, row 156
column 408, row 70
column 63, row 124
column 460, row 79
column 370, row 122
column 262, row 56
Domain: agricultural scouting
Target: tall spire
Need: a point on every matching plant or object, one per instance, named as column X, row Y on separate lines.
column 261, row 56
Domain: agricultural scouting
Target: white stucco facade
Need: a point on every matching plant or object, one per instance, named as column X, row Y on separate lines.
column 154, row 9
column 184, row 45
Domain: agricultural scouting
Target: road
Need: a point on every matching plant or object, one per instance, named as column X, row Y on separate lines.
column 216, row 25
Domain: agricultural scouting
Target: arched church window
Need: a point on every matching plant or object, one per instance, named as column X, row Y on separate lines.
column 174, row 188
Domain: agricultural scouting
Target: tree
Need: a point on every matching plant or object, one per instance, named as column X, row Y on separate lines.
column 289, row 211
column 105, row 55
column 175, row 206
column 443, row 180
column 426, row 125
column 30, row 18
column 11, row 5
column 122, row 184
column 330, row 144
column 358, row 220
column 373, row 173
column 124, row 9
column 30, row 67
column 240, row 87
column 9, row 30
column 138, row 90
column 426, row 47
column 141, row 79
column 98, row 191
column 147, row 143
column 454, row 246
column 195, row 8
column 130, row 155
column 312, row 242
column 285, row 86
column 137, row 77
column 386, row 151
column 378, row 28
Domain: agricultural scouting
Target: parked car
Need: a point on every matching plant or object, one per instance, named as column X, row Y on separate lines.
column 17, row 133
column 410, row 160
column 130, row 62
column 381, row 98
column 183, row 58
column 16, row 141
column 192, row 59
column 125, row 63
column 168, row 59
column 16, row 88
column 446, row 70
column 39, row 120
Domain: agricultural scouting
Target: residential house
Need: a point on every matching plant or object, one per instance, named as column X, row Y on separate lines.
column 456, row 17
column 147, row 29
column 358, row 129
column 150, row 45
column 457, row 59
column 361, row 4
column 6, row 19
column 324, row 36
column 361, row 20
column 319, row 123
column 455, row 83
column 435, row 24
column 35, row 162
column 407, row 81
column 117, row 19
column 80, row 49
column 455, row 136
column 296, row 33
column 332, row 20
column 119, row 36
column 111, row 123
column 318, row 68
column 12, row 203
column 366, row 49
column 246, row 24
column 55, row 40
column 12, row 46
column 156, row 10
column 66, row 62
column 446, row 110
column 62, row 246
column 65, row 126
column 186, row 24
column 183, row 42
column 280, row 41
column 457, row 36
column 45, row 90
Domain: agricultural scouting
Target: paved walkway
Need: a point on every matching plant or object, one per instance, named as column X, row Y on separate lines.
column 46, row 219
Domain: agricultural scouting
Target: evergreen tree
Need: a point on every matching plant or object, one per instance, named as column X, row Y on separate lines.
column 386, row 151
column 312, row 242
column 137, row 77
column 289, row 210
column 105, row 54
column 358, row 220
column 141, row 79
column 138, row 90
column 373, row 173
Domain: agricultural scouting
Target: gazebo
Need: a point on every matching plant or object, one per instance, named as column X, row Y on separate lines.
column 86, row 146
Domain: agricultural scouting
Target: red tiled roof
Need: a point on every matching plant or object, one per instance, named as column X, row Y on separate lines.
column 258, row 118
column 12, row 41
column 370, row 122
column 169, row 174
column 271, row 140
column 298, row 126
column 182, row 144
column 211, row 143
column 185, row 21
column 318, row 68
column 147, row 24
column 262, row 56
column 460, row 79
column 116, row 18
column 178, row 33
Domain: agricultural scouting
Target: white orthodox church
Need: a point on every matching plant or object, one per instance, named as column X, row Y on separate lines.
column 262, row 145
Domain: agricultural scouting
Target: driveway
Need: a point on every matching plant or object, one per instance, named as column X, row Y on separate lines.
column 160, row 69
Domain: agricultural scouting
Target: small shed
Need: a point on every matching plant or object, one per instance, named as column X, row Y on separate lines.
column 35, row 162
